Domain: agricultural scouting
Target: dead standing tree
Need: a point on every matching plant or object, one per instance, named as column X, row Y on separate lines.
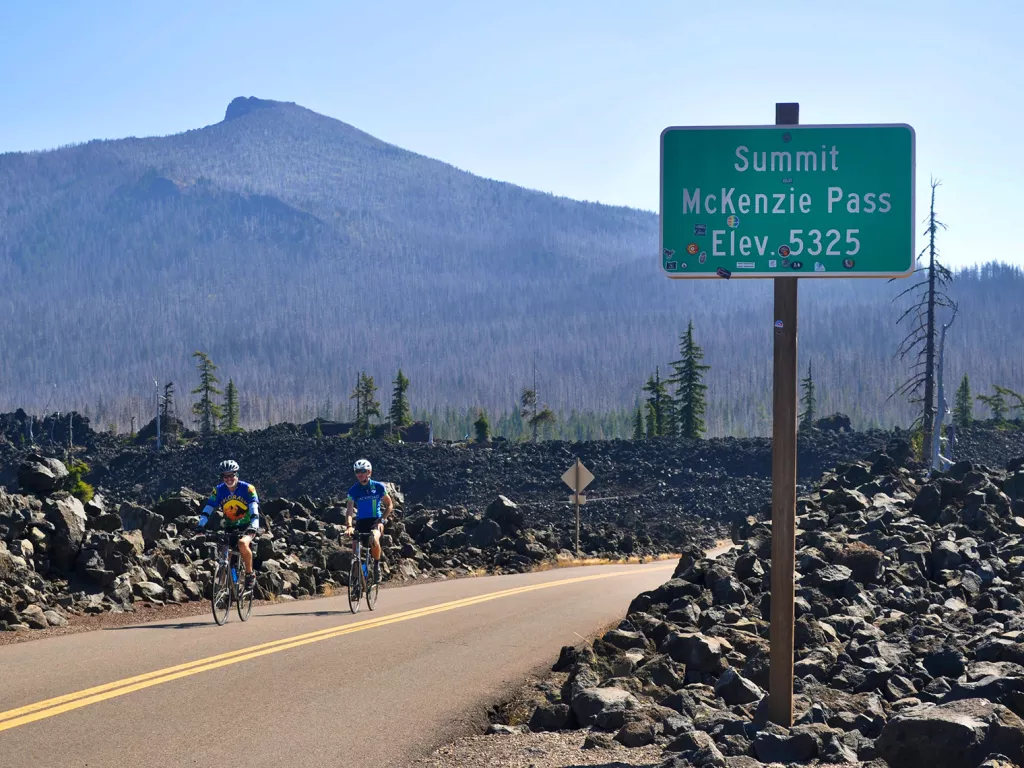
column 919, row 344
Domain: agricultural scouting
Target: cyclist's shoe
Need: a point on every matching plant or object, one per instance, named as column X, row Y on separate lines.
column 376, row 571
column 250, row 580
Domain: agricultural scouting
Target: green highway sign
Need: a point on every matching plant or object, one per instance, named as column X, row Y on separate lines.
column 787, row 201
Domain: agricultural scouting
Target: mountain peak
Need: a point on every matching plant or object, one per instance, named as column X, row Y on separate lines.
column 240, row 105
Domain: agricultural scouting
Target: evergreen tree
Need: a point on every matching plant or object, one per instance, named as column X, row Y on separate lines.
column 206, row 410
column 651, row 417
column 231, row 404
column 638, row 424
column 1009, row 396
column 167, row 403
column 670, row 415
column 963, row 407
column 657, row 398
column 529, row 411
column 544, row 418
column 996, row 403
column 399, row 415
column 691, row 397
column 809, row 401
column 482, row 427
column 366, row 405
column 528, row 408
column 168, row 420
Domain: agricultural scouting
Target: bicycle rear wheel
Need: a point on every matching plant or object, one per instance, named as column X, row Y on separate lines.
column 372, row 584
column 355, row 586
column 220, row 593
column 244, row 596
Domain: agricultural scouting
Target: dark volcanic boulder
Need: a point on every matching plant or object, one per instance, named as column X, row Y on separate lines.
column 135, row 518
column 67, row 515
column 486, row 534
column 837, row 422
column 604, row 708
column 183, row 503
column 960, row 734
column 736, row 689
column 39, row 474
column 865, row 562
column 505, row 512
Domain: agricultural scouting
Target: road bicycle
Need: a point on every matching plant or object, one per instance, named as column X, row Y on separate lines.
column 229, row 579
column 363, row 578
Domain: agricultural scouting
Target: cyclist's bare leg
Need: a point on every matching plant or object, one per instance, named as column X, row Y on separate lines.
column 375, row 548
column 246, row 552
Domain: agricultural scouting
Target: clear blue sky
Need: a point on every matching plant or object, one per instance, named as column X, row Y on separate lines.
column 566, row 97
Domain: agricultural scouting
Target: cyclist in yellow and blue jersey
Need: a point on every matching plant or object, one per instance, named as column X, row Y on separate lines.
column 366, row 498
column 241, row 507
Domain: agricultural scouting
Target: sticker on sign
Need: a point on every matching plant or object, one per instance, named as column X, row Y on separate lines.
column 839, row 197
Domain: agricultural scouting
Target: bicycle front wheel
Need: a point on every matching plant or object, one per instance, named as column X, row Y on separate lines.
column 244, row 599
column 372, row 583
column 220, row 593
column 355, row 591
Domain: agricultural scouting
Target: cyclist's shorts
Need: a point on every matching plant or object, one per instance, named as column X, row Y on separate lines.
column 234, row 534
column 367, row 524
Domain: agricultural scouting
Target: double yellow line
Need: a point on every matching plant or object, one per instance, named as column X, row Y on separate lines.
column 41, row 710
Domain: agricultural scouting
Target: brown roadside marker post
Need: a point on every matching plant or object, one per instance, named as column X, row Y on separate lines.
column 784, row 416
column 577, row 477
column 846, row 198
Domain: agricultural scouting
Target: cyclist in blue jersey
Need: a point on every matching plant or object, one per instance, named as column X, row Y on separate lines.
column 366, row 498
column 241, row 508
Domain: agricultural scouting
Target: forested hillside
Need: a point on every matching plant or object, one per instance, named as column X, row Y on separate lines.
column 297, row 251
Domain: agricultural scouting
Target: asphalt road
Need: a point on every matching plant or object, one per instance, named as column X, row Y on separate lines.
column 301, row 683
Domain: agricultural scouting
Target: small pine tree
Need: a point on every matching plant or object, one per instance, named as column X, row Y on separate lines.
column 167, row 403
column 319, row 432
column 638, row 424
column 658, row 397
column 545, row 418
column 366, row 405
column 651, row 419
column 77, row 486
column 528, row 408
column 963, row 407
column 482, row 427
column 231, row 405
column 996, row 403
column 691, row 392
column 1014, row 400
column 669, row 415
column 529, row 405
column 400, row 414
column 206, row 410
column 809, row 400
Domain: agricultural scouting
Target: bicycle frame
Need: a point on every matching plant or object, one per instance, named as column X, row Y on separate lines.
column 362, row 564
column 231, row 558
column 230, row 562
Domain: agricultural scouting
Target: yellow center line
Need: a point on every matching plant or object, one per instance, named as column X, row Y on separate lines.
column 58, row 705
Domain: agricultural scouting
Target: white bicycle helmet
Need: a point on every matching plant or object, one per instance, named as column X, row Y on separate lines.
column 362, row 466
column 228, row 465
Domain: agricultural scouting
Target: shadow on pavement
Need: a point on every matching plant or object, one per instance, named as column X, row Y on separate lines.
column 179, row 625
column 302, row 613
